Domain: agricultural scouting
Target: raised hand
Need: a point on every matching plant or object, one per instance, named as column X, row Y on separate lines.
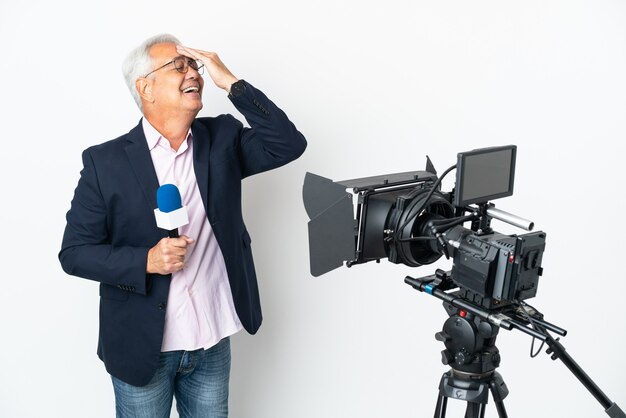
column 221, row 76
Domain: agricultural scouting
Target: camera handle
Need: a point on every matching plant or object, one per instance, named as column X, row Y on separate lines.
column 436, row 285
column 484, row 212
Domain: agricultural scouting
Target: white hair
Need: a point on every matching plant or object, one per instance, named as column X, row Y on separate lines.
column 138, row 62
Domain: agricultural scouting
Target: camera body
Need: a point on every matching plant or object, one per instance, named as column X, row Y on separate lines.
column 493, row 270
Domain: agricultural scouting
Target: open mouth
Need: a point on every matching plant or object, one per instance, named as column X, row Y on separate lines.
column 192, row 89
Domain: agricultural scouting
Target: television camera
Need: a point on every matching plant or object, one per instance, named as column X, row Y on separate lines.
column 408, row 219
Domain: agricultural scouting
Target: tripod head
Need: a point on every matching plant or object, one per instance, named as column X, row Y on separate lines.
column 470, row 342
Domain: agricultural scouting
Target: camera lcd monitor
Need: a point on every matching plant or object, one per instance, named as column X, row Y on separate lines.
column 484, row 174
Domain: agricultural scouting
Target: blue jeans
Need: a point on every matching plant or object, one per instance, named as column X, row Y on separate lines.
column 198, row 379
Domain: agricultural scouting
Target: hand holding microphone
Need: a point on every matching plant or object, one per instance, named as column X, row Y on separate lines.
column 168, row 255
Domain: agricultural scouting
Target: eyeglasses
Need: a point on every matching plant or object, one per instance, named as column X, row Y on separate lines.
column 182, row 65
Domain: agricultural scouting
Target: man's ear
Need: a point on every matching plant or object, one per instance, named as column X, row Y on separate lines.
column 144, row 88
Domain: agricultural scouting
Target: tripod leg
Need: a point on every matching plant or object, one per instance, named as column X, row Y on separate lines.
column 440, row 409
column 475, row 410
column 499, row 391
column 501, row 410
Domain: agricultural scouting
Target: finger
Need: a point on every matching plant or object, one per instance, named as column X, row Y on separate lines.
column 168, row 247
column 176, row 267
column 175, row 251
column 185, row 51
column 172, row 261
column 189, row 240
column 198, row 54
column 191, row 52
column 179, row 242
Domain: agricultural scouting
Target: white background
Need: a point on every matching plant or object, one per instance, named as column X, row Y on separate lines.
column 374, row 87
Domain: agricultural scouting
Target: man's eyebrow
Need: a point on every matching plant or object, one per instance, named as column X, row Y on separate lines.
column 167, row 61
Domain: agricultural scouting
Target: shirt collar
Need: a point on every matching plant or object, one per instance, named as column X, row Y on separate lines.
column 153, row 136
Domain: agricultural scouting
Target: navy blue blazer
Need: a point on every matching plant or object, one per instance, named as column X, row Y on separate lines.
column 111, row 225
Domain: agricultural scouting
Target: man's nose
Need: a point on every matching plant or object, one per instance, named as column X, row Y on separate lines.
column 192, row 74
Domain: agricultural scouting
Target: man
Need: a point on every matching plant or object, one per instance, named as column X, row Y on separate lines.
column 168, row 305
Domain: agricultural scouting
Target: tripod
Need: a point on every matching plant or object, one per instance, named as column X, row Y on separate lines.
column 474, row 390
column 469, row 335
column 473, row 357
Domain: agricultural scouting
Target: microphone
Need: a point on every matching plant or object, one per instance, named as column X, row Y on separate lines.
column 170, row 213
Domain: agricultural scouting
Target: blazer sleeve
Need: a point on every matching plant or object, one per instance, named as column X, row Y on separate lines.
column 86, row 250
column 272, row 139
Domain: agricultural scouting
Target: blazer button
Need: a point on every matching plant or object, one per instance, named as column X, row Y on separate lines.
column 161, row 306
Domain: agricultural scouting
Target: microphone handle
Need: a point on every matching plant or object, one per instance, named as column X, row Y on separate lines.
column 174, row 233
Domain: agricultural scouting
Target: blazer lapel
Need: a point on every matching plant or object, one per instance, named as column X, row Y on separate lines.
column 141, row 163
column 201, row 151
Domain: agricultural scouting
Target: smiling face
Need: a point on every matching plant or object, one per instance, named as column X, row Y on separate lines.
column 167, row 91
